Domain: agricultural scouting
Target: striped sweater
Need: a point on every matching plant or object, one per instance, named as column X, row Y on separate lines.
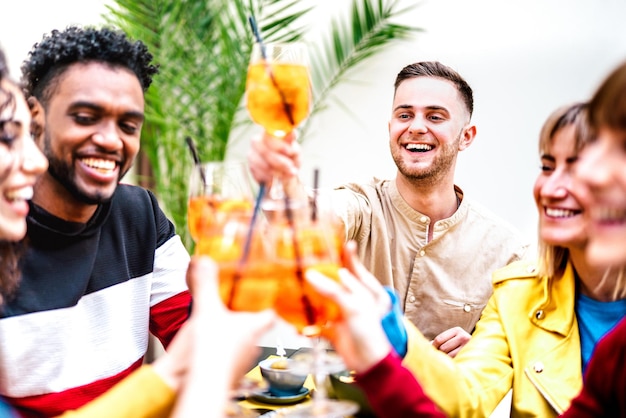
column 89, row 297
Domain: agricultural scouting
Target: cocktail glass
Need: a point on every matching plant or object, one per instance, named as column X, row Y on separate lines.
column 278, row 94
column 311, row 239
column 220, row 210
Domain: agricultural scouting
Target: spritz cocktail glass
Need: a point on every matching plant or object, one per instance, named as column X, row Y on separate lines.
column 311, row 239
column 219, row 213
column 279, row 95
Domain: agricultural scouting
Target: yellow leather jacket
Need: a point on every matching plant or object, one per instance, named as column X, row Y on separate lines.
column 526, row 339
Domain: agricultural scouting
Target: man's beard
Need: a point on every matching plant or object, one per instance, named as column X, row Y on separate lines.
column 66, row 176
column 439, row 167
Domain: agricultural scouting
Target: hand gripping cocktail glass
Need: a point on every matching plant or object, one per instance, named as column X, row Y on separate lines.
column 307, row 235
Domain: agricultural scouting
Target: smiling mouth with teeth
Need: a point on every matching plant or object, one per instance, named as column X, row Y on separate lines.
column 609, row 215
column 561, row 213
column 25, row 193
column 101, row 165
column 418, row 147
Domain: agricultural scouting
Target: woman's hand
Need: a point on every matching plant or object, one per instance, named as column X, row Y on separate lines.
column 358, row 336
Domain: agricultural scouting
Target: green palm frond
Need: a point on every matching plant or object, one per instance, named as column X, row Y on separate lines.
column 202, row 48
column 369, row 28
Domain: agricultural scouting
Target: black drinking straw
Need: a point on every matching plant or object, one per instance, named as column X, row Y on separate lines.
column 259, row 198
column 316, row 181
column 246, row 247
column 257, row 35
column 308, row 308
column 306, row 303
column 268, row 68
column 196, row 159
column 259, row 39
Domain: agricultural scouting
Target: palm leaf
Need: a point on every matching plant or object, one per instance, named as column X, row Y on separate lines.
column 366, row 32
column 203, row 47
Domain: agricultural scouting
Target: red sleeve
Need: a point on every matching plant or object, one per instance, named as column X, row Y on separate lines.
column 168, row 316
column 393, row 391
column 604, row 389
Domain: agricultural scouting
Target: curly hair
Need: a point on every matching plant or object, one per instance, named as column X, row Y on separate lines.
column 58, row 50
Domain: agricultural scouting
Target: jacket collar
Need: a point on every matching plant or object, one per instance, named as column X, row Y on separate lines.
column 555, row 309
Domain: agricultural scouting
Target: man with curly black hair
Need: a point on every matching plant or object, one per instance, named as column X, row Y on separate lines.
column 105, row 267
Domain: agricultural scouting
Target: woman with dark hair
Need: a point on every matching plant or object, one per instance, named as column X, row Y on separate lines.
column 20, row 163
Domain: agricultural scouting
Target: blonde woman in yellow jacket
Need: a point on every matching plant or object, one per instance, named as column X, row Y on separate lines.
column 528, row 337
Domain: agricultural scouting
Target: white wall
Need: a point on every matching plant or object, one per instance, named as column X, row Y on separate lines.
column 25, row 21
column 523, row 58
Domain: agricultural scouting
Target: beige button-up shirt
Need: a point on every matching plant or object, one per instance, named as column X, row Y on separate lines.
column 442, row 283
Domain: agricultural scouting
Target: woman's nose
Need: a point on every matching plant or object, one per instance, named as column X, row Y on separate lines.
column 33, row 160
column 557, row 185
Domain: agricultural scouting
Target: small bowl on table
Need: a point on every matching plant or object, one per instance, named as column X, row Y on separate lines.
column 282, row 377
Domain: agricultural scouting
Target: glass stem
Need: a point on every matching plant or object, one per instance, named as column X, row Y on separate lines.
column 319, row 372
column 277, row 189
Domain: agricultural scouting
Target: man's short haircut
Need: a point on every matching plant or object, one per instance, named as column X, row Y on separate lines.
column 59, row 49
column 438, row 70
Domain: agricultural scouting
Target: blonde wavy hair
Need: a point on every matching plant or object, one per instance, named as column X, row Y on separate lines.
column 553, row 258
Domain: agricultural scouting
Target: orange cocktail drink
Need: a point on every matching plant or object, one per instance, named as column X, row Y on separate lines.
column 247, row 277
column 207, row 213
column 278, row 95
column 218, row 190
column 317, row 247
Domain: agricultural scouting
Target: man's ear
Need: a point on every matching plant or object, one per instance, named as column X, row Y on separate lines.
column 38, row 119
column 467, row 137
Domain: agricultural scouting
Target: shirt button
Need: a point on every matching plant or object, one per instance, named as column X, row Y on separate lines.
column 538, row 367
column 422, row 253
column 412, row 299
column 540, row 314
column 467, row 308
column 424, row 219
